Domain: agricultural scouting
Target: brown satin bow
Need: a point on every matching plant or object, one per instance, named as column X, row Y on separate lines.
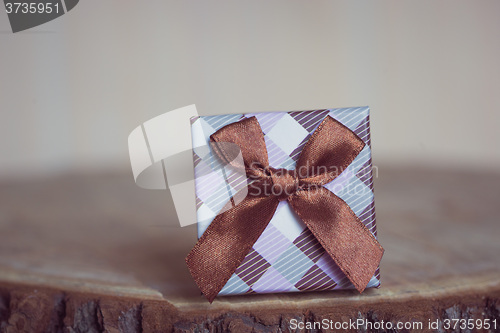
column 231, row 235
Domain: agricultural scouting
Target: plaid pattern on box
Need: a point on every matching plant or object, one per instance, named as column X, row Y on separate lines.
column 286, row 257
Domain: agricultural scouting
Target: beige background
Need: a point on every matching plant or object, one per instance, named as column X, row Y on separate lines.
column 73, row 89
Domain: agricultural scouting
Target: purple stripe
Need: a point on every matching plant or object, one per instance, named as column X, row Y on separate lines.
column 196, row 159
column 198, row 203
column 308, row 244
column 365, row 174
column 252, row 268
column 315, row 279
column 367, row 215
column 296, row 152
column 363, row 129
column 312, row 122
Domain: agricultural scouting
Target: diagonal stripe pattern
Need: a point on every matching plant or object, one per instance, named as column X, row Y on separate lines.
column 287, row 257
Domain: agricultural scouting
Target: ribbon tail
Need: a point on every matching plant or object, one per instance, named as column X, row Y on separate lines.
column 226, row 242
column 341, row 233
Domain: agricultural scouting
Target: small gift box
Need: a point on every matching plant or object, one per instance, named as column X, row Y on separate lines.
column 290, row 208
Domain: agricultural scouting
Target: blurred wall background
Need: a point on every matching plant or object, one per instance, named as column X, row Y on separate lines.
column 73, row 89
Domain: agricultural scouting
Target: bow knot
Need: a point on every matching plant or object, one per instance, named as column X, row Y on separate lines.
column 284, row 182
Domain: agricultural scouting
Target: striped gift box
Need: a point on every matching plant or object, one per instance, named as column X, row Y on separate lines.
column 286, row 257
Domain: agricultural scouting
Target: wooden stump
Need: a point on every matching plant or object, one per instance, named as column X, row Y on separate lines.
column 95, row 253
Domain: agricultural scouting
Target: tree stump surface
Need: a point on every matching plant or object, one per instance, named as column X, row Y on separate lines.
column 96, row 253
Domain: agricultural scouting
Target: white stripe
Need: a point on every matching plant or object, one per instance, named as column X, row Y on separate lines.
column 207, row 182
column 363, row 157
column 351, row 122
column 313, row 119
column 281, row 259
column 219, row 121
column 320, row 287
column 341, row 114
column 338, row 277
column 363, row 204
column 362, row 170
column 295, row 270
column 348, row 188
column 363, row 196
column 214, row 123
column 369, row 218
column 268, row 120
column 318, row 272
column 251, row 266
column 214, row 200
column 271, row 152
column 272, row 252
column 265, row 236
column 276, row 153
column 364, row 136
column 354, row 208
column 200, row 169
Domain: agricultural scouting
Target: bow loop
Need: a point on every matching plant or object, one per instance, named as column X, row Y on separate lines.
column 327, row 153
column 244, row 136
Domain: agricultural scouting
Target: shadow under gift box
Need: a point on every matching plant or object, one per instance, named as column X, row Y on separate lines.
column 286, row 257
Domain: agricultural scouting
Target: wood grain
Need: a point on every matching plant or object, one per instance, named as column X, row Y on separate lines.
column 95, row 253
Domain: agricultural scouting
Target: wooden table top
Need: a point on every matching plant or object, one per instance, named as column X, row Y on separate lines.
column 101, row 238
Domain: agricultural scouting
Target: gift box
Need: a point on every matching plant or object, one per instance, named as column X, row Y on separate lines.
column 289, row 253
